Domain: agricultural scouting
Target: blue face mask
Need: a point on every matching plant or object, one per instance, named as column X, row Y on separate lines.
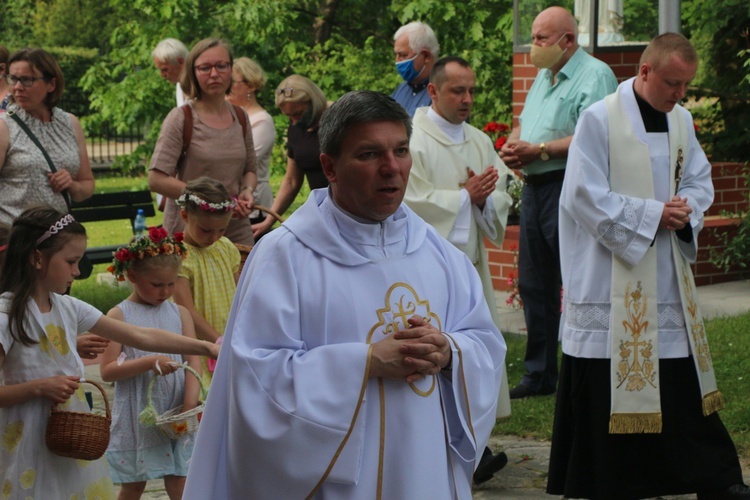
column 407, row 71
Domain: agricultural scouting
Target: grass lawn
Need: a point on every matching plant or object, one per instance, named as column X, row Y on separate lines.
column 729, row 338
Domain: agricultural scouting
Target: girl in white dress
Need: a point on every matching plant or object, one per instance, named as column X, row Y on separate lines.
column 136, row 452
column 39, row 365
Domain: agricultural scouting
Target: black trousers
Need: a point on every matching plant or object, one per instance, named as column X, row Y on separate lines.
column 539, row 283
column 692, row 453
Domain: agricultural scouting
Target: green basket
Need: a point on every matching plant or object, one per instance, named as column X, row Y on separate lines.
column 174, row 423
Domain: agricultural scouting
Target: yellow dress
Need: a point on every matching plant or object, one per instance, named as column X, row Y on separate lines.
column 210, row 272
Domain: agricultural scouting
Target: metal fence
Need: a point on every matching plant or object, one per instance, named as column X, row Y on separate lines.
column 105, row 143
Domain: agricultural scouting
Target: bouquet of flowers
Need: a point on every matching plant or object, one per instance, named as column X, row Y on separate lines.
column 499, row 132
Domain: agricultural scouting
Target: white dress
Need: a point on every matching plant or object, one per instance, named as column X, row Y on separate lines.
column 137, row 452
column 27, row 468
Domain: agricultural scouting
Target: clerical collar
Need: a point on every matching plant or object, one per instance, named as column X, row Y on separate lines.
column 653, row 119
column 371, row 239
column 455, row 132
column 418, row 87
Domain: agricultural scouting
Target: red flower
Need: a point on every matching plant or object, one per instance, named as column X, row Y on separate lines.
column 500, row 142
column 513, row 247
column 123, row 255
column 696, row 127
column 503, row 127
column 157, row 234
column 491, row 127
column 178, row 237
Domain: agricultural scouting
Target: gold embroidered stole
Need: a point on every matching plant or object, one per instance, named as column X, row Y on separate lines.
column 636, row 406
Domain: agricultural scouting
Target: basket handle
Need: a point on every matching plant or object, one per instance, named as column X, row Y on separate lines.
column 104, row 397
column 204, row 391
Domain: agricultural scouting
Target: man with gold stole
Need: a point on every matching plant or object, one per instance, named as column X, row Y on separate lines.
column 637, row 401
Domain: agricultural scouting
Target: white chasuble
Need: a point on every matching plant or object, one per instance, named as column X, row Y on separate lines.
column 292, row 412
column 438, row 172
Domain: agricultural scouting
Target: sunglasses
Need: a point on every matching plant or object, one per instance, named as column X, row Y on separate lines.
column 286, row 91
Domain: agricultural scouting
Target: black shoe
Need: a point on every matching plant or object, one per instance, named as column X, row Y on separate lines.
column 522, row 391
column 735, row 492
column 489, row 465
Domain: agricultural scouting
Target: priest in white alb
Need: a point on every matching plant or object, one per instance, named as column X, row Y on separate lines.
column 636, row 413
column 360, row 360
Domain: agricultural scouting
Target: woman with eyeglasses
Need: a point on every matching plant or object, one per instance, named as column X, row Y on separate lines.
column 248, row 79
column 220, row 146
column 303, row 103
column 26, row 178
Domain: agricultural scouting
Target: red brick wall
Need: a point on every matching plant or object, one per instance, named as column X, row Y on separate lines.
column 727, row 177
column 731, row 192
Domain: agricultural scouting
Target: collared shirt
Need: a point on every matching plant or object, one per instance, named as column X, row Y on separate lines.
column 412, row 97
column 552, row 108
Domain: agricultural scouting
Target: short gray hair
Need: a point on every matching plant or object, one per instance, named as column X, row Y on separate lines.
column 360, row 106
column 170, row 50
column 420, row 37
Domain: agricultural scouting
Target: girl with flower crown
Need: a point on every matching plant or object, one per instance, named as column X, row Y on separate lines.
column 39, row 365
column 208, row 279
column 138, row 453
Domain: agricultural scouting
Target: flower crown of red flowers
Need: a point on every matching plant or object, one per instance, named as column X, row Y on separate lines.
column 157, row 242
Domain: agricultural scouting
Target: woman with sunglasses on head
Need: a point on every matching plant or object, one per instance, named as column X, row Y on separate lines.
column 303, row 103
column 26, row 177
column 248, row 79
column 221, row 142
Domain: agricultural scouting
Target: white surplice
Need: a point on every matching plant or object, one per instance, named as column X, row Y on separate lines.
column 290, row 407
column 597, row 223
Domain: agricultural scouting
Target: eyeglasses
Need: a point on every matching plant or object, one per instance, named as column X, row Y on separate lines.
column 286, row 91
column 221, row 67
column 26, row 81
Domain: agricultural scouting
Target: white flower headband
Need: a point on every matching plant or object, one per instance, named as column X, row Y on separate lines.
column 56, row 228
column 224, row 206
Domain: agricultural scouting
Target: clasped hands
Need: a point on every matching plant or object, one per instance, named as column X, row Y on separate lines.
column 676, row 214
column 517, row 154
column 411, row 354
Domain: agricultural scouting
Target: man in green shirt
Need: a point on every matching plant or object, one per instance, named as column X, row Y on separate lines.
column 569, row 81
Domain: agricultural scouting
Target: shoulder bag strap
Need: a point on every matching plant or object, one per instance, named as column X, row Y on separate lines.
column 187, row 136
column 242, row 118
column 33, row 138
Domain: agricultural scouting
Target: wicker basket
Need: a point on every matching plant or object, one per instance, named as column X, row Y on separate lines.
column 175, row 423
column 80, row 435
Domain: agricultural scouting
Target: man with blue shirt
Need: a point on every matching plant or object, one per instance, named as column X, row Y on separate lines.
column 416, row 49
column 569, row 81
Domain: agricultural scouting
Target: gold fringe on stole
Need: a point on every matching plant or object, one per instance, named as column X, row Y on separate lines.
column 712, row 402
column 635, row 423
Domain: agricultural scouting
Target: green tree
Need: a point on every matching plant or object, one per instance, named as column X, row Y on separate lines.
column 71, row 23
column 716, row 29
column 341, row 45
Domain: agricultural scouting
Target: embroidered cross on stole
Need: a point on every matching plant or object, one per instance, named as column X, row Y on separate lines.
column 636, row 405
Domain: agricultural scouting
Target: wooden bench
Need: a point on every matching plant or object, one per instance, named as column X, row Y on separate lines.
column 111, row 206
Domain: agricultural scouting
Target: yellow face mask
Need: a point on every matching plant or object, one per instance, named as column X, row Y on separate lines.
column 546, row 57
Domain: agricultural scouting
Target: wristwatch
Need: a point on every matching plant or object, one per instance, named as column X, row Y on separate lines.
column 543, row 154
